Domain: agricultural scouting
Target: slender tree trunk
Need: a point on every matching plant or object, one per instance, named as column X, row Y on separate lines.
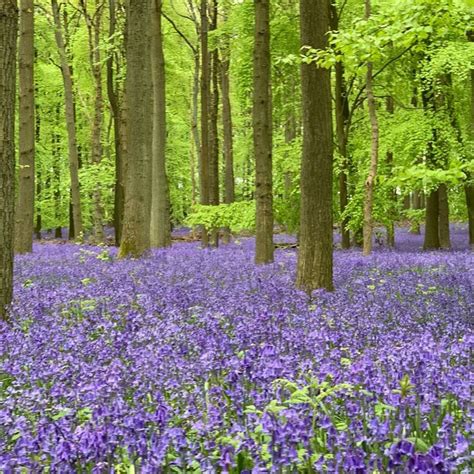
column 136, row 223
column 213, row 130
column 392, row 192
column 119, row 132
column 417, row 195
column 469, row 186
column 315, row 258
column 8, row 39
column 417, row 204
column 160, row 226
column 56, row 177
column 70, row 122
column 26, row 182
column 262, row 133
column 38, row 174
column 194, row 125
column 374, row 154
column 229, row 182
column 204, row 156
column 342, row 124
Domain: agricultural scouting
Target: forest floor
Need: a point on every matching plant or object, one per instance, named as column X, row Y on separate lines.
column 195, row 360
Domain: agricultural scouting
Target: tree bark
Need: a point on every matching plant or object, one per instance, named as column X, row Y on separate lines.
column 194, row 125
column 38, row 174
column 469, row 186
column 417, row 204
column 56, row 177
column 262, row 134
column 432, row 221
column 24, row 225
column 229, row 181
column 70, row 122
column 204, row 156
column 8, row 39
column 315, row 258
column 160, row 226
column 368, row 226
column 213, row 130
column 342, row 125
column 136, row 223
column 392, row 193
column 93, row 23
column 119, row 132
column 443, row 211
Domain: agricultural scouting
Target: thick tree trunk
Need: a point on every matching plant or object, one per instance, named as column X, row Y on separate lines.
column 70, row 122
column 432, row 221
column 444, row 235
column 94, row 30
column 26, row 183
column 8, row 39
column 374, row 155
column 136, row 223
column 160, row 227
column 315, row 258
column 262, row 133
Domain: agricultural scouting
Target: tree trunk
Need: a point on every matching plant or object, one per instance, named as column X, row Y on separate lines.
column 229, row 182
column 432, row 221
column 8, row 39
column 443, row 210
column 262, row 133
column 119, row 132
column 469, row 186
column 392, row 192
column 213, row 130
column 194, row 125
column 160, row 227
column 26, row 182
column 204, row 156
column 93, row 28
column 417, row 204
column 38, row 174
column 56, row 178
column 342, row 125
column 136, row 223
column 374, row 155
column 70, row 122
column 315, row 258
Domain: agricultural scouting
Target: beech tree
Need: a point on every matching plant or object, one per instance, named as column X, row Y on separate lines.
column 160, row 227
column 24, row 215
column 262, row 133
column 136, row 221
column 374, row 151
column 8, row 39
column 94, row 21
column 315, row 260
column 70, row 122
